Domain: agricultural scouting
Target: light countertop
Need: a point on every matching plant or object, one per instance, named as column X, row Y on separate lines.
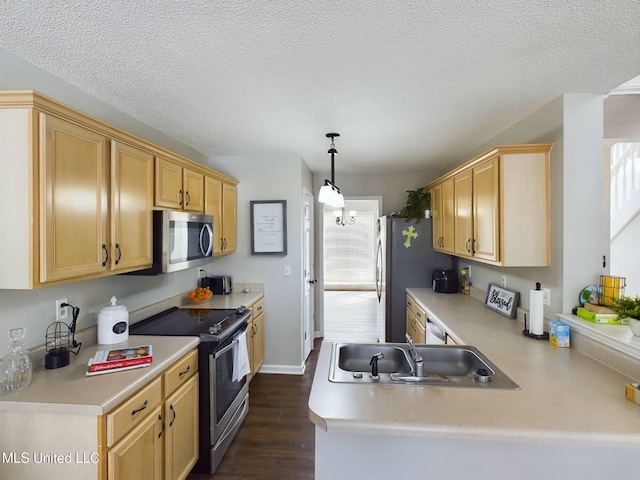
column 566, row 397
column 232, row 300
column 69, row 390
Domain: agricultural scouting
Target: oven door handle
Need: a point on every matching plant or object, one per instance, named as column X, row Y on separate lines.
column 221, row 352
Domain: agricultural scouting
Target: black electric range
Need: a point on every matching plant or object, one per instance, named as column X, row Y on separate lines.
column 211, row 325
column 223, row 397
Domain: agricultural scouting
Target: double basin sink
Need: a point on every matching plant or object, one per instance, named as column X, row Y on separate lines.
column 442, row 365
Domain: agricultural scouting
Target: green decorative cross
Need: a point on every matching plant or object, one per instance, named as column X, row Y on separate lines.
column 409, row 233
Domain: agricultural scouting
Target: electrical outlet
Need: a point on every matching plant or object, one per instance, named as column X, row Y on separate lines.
column 62, row 313
column 503, row 281
column 201, row 273
column 546, row 296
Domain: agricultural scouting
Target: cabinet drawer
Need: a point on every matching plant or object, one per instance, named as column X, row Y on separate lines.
column 180, row 372
column 133, row 411
column 421, row 316
column 257, row 308
column 411, row 304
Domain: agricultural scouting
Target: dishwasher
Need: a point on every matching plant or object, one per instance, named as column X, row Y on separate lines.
column 435, row 334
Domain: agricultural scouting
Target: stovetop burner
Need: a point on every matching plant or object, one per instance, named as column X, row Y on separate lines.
column 209, row 324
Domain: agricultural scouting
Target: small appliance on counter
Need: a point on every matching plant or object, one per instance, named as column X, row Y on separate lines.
column 219, row 285
column 445, row 280
column 113, row 323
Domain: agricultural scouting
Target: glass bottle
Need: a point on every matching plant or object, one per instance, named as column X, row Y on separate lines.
column 17, row 366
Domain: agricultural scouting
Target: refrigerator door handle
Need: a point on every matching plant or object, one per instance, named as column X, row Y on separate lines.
column 379, row 271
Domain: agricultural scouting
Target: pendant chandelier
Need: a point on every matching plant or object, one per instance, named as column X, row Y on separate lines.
column 345, row 219
column 329, row 192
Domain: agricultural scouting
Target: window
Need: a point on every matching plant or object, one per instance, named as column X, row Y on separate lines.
column 349, row 250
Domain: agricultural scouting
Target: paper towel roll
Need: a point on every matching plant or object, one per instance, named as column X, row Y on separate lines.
column 536, row 312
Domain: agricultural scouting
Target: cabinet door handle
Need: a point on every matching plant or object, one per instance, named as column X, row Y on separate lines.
column 188, row 197
column 119, row 253
column 106, row 255
column 162, row 422
column 174, row 415
column 146, row 402
column 185, row 371
column 467, row 245
column 180, row 197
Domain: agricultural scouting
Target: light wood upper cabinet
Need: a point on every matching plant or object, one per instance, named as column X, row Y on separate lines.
column 442, row 209
column 463, row 224
column 168, row 189
column 178, row 187
column 221, row 202
column 131, row 207
column 193, row 191
column 486, row 211
column 501, row 207
column 229, row 215
column 74, row 186
column 80, row 194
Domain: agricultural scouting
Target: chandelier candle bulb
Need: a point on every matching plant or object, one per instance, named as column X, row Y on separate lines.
column 536, row 311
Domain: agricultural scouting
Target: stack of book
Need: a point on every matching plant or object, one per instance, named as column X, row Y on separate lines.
column 108, row 361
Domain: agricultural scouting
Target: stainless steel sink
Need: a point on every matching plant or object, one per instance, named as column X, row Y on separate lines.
column 443, row 365
column 356, row 357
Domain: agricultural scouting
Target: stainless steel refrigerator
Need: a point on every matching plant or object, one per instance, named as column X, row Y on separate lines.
column 405, row 259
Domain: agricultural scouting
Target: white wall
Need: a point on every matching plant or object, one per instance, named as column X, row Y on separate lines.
column 275, row 178
column 36, row 309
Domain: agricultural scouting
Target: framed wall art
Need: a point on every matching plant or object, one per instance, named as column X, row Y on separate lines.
column 502, row 300
column 268, row 227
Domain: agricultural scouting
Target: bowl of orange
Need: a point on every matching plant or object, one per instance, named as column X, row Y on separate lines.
column 200, row 295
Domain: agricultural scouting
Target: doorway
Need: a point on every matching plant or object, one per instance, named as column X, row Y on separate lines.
column 350, row 240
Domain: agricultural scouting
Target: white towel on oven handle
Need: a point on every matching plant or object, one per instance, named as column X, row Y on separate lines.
column 241, row 365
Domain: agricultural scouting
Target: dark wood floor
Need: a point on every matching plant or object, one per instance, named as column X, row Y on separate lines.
column 276, row 440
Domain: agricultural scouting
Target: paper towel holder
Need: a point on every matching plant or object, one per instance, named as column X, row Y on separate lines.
column 527, row 332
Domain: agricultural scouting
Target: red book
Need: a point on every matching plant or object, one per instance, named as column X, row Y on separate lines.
column 120, row 358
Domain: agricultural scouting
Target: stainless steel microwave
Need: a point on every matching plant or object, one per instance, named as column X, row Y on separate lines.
column 180, row 240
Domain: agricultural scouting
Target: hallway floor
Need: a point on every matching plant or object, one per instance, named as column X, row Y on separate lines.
column 350, row 316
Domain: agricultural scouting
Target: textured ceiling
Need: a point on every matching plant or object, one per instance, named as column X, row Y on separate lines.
column 407, row 84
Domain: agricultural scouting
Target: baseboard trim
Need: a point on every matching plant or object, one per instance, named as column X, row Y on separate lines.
column 282, row 369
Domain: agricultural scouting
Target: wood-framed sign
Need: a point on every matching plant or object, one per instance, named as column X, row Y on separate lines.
column 502, row 300
column 268, row 227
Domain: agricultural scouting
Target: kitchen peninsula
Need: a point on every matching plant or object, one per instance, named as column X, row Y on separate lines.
column 570, row 419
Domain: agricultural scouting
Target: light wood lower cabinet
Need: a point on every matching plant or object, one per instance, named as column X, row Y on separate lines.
column 181, row 430
column 139, row 454
column 154, row 434
column 255, row 337
column 416, row 321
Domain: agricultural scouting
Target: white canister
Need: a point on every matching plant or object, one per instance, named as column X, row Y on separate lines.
column 113, row 323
